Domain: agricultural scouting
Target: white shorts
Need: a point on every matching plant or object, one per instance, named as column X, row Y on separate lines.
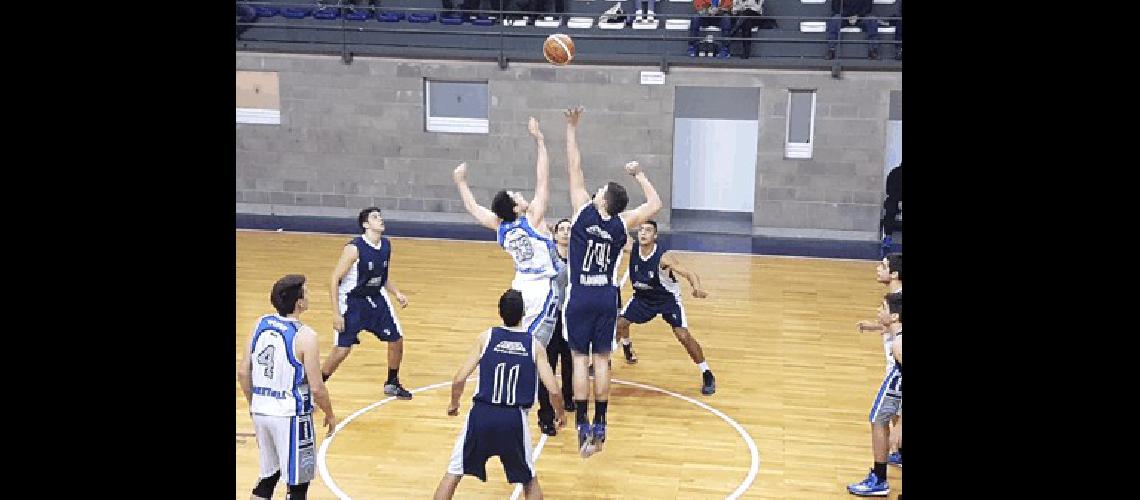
column 540, row 302
column 286, row 444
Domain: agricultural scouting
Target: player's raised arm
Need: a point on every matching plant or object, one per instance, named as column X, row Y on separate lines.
column 636, row 217
column 537, row 210
column 484, row 215
column 578, row 194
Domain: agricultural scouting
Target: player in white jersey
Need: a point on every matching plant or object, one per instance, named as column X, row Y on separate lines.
column 889, row 272
column 523, row 234
column 281, row 378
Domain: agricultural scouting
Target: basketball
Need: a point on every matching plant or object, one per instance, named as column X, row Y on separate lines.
column 558, row 49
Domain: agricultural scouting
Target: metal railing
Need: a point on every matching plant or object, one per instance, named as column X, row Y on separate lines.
column 432, row 39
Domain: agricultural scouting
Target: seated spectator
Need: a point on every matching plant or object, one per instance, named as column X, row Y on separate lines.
column 851, row 13
column 467, row 8
column 557, row 7
column 712, row 13
column 518, row 12
column 643, row 11
column 749, row 12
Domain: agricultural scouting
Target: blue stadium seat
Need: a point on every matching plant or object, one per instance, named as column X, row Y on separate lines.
column 451, row 20
column 327, row 14
column 297, row 12
column 420, row 17
column 389, row 17
column 267, row 11
column 359, row 15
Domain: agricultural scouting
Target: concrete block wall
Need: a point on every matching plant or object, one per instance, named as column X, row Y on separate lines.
column 353, row 136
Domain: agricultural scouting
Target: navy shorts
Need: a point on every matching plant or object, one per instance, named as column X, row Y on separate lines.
column 590, row 318
column 493, row 431
column 641, row 311
column 372, row 313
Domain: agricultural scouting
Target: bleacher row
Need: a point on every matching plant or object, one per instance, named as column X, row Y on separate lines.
column 791, row 37
column 543, row 20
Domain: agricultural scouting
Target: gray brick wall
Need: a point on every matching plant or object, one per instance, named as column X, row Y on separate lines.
column 353, row 136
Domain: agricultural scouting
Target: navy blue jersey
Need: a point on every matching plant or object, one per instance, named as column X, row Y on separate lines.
column 595, row 245
column 507, row 374
column 647, row 280
column 370, row 273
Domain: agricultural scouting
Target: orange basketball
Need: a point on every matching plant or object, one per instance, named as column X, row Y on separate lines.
column 558, row 49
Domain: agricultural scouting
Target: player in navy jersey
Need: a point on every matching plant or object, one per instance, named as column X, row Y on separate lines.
column 522, row 233
column 360, row 288
column 279, row 376
column 653, row 271
column 510, row 363
column 598, row 231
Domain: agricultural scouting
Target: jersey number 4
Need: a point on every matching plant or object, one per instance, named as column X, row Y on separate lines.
column 596, row 252
column 265, row 357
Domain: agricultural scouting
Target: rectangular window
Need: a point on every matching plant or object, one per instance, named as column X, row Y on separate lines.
column 801, row 124
column 460, row 107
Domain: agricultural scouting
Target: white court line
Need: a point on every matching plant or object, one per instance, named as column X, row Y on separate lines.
column 537, row 452
column 747, row 483
column 741, row 254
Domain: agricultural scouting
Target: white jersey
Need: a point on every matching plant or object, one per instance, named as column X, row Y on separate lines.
column 535, row 257
column 280, row 387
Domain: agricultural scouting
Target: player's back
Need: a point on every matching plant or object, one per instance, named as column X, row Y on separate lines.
column 507, row 374
column 595, row 245
column 280, row 387
column 534, row 254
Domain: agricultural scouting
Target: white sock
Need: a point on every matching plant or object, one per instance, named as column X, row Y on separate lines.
column 626, row 341
column 704, row 366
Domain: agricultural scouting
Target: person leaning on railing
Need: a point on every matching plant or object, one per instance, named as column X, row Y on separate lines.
column 712, row 13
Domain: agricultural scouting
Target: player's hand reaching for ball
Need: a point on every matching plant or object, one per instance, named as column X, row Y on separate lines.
column 532, row 126
column 633, row 168
column 572, row 115
column 460, row 173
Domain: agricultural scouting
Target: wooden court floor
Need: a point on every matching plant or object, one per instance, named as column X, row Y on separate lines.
column 779, row 333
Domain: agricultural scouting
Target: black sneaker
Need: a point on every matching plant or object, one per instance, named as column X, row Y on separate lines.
column 630, row 356
column 709, row 386
column 395, row 389
column 830, row 54
column 548, row 428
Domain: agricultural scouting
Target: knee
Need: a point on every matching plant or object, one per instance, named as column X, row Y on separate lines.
column 682, row 334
